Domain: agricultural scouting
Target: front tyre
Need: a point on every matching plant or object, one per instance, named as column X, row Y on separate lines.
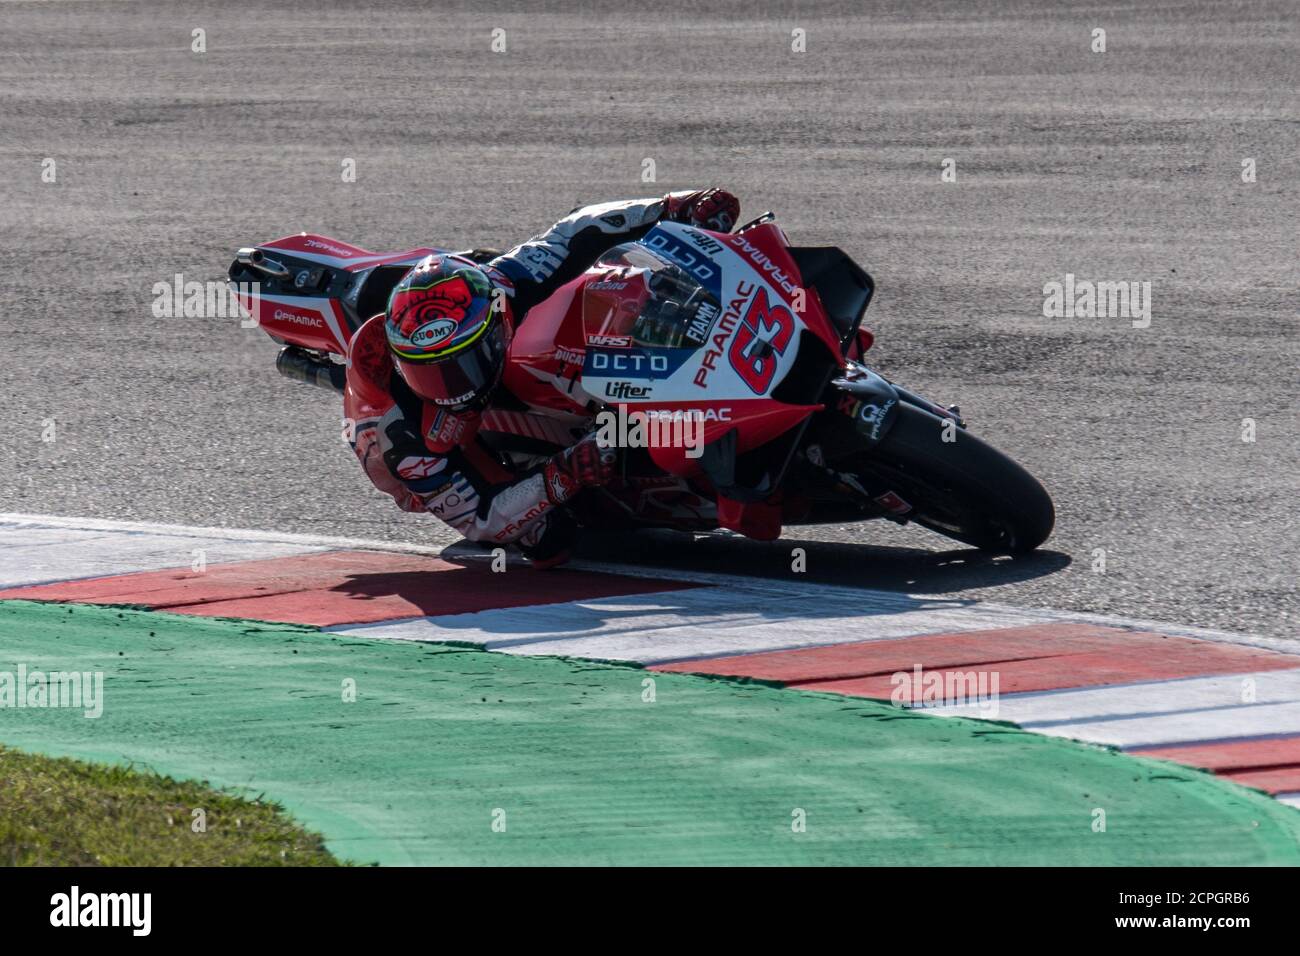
column 964, row 489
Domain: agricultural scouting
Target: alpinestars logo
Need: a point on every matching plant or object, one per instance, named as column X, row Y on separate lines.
column 413, row 468
column 560, row 489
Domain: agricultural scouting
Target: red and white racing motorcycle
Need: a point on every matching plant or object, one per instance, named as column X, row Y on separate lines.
column 758, row 343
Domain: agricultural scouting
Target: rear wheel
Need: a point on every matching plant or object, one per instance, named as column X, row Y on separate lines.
column 964, row 489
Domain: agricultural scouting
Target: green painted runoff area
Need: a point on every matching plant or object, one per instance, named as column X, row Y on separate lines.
column 454, row 755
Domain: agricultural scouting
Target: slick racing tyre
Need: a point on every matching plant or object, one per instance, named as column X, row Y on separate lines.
column 964, row 489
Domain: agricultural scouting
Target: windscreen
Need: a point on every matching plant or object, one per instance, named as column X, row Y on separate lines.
column 641, row 298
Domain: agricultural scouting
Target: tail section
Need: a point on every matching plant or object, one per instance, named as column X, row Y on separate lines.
column 313, row 292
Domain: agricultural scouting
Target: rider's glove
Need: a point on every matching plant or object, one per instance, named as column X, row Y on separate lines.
column 584, row 465
column 713, row 208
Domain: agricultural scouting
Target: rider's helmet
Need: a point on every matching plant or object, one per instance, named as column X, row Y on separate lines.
column 447, row 338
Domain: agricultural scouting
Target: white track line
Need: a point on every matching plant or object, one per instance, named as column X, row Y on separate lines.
column 1159, row 713
column 34, row 554
column 882, row 598
column 18, row 520
column 697, row 622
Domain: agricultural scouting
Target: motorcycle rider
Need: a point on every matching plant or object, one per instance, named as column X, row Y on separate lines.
column 420, row 375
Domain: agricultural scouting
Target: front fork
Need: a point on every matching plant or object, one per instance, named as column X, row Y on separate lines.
column 869, row 402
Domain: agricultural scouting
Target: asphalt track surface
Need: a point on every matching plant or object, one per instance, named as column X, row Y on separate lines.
column 1122, row 165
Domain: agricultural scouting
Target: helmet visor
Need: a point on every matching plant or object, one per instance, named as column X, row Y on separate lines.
column 461, row 379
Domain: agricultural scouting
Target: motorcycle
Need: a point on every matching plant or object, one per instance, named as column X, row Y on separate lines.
column 745, row 349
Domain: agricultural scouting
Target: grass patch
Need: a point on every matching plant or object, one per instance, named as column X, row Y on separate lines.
column 441, row 743
column 60, row 812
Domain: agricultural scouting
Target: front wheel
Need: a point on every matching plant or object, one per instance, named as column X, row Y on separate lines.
column 963, row 488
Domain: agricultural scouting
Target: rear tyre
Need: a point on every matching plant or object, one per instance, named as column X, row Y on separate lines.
column 964, row 489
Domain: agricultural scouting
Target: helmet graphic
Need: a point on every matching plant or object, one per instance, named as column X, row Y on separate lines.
column 448, row 342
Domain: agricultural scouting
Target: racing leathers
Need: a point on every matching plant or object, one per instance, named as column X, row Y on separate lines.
column 431, row 459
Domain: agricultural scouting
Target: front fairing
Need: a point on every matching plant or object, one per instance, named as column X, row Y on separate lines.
column 691, row 323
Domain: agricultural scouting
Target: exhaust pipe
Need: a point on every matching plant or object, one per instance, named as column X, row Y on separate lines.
column 302, row 366
column 256, row 259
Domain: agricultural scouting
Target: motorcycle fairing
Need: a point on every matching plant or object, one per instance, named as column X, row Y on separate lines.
column 742, row 351
column 546, row 355
column 342, row 255
column 722, row 338
column 321, row 300
column 311, row 322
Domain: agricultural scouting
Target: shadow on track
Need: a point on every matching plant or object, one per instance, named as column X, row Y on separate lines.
column 827, row 562
column 576, row 612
